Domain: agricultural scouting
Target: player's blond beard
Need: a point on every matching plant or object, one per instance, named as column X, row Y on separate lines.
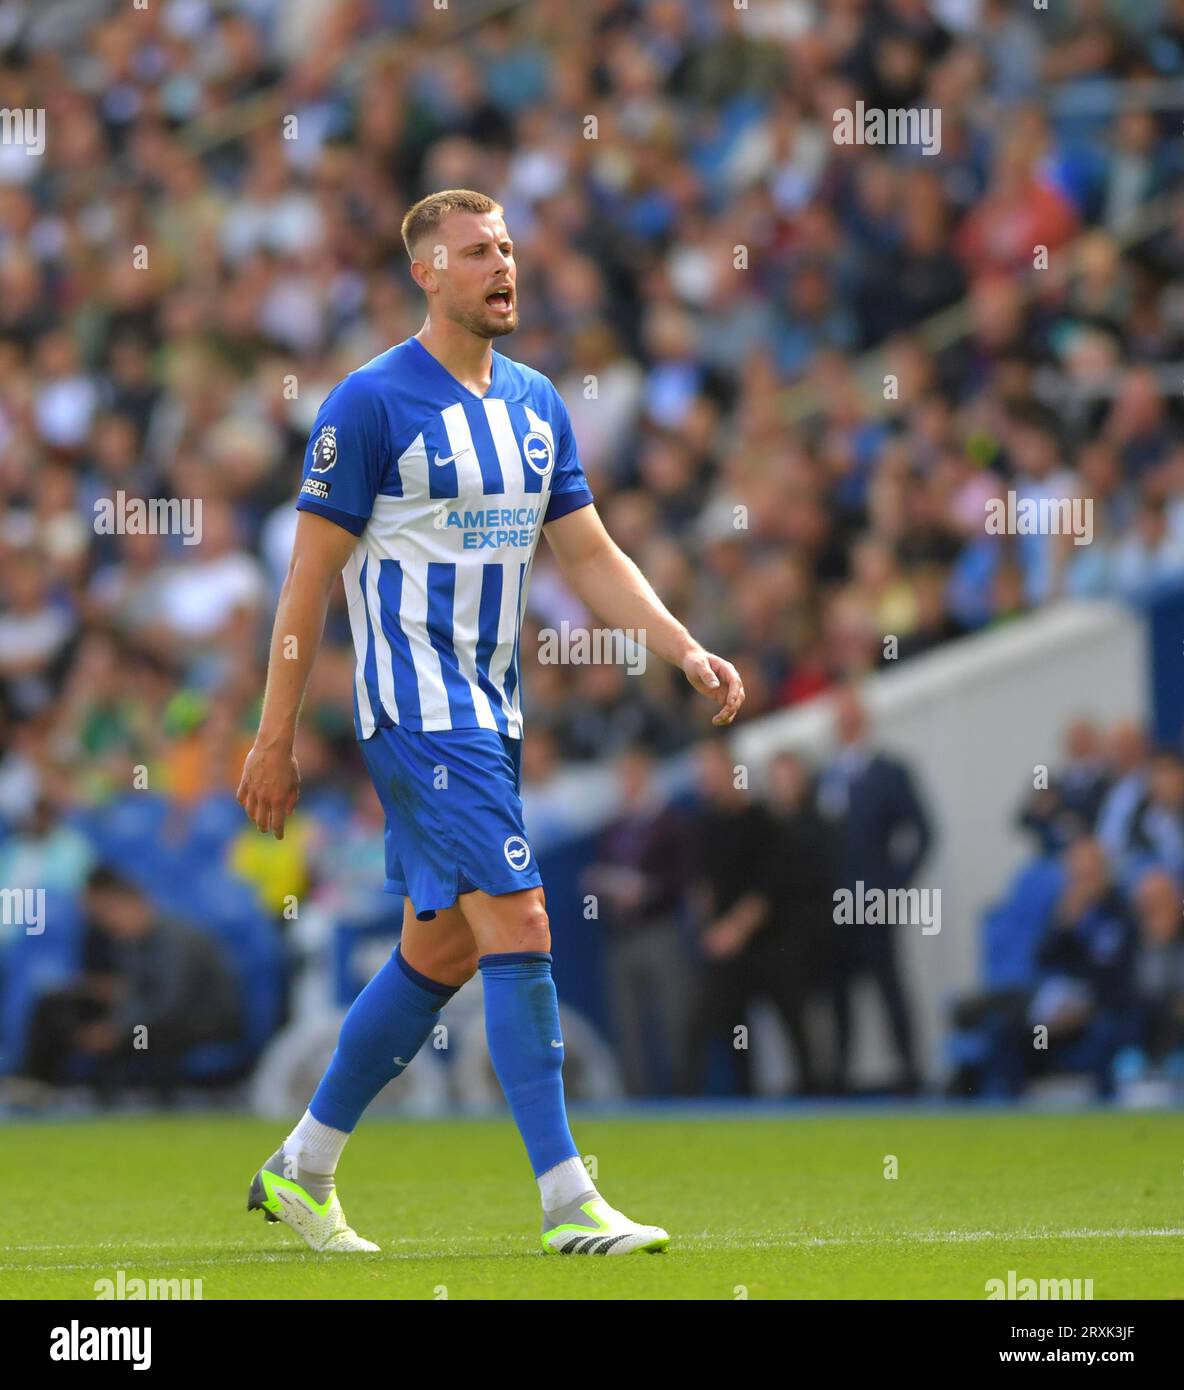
column 482, row 327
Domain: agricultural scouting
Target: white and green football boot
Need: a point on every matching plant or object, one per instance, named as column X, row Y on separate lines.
column 315, row 1216
column 592, row 1227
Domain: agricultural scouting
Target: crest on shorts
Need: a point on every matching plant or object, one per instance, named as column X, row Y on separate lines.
column 517, row 853
column 324, row 450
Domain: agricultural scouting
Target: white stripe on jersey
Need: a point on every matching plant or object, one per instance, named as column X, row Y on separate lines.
column 509, row 456
column 413, row 469
column 358, row 630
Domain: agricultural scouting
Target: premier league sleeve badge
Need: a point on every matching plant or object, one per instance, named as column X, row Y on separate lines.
column 324, row 450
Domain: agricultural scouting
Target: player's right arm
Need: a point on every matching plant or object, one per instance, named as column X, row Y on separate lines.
column 270, row 784
column 343, row 466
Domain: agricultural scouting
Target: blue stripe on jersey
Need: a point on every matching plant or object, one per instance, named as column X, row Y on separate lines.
column 513, row 673
column 406, row 683
column 441, row 599
column 491, row 473
column 442, row 478
column 488, row 617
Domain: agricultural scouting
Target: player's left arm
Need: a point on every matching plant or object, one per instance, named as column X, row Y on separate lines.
column 610, row 584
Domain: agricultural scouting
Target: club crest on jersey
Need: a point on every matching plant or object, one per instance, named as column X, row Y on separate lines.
column 536, row 449
column 324, row 451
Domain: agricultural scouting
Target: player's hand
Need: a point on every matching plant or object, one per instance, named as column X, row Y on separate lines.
column 717, row 679
column 270, row 788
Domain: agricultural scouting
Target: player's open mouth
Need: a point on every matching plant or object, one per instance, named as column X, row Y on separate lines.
column 501, row 300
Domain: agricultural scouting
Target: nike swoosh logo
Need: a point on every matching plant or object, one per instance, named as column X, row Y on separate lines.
column 399, row 1062
column 450, row 458
column 555, row 1044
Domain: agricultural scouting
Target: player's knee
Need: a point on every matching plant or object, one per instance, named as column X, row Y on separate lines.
column 462, row 968
column 444, row 963
column 534, row 929
column 453, row 968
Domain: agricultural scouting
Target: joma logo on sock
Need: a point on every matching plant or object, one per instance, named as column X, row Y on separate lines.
column 123, row 1287
column 77, row 1343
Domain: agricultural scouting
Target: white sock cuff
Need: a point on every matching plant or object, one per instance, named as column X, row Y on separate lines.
column 321, row 1145
column 564, row 1183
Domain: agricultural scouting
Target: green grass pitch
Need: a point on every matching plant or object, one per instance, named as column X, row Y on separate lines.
column 792, row 1206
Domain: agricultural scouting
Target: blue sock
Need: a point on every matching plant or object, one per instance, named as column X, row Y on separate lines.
column 386, row 1026
column 521, row 1023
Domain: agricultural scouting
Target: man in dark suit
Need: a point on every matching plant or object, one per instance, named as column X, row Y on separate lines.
column 799, row 938
column 733, row 851
column 884, row 835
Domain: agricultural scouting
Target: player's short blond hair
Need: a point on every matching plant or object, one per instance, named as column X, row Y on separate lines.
column 426, row 216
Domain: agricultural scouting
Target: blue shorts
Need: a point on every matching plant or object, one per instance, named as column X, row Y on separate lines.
column 453, row 814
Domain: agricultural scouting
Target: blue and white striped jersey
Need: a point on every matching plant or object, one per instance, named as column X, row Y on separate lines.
column 447, row 493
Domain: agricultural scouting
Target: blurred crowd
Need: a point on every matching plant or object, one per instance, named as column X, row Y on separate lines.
column 1083, row 956
column 736, row 308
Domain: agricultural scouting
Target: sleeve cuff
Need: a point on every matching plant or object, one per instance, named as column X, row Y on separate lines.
column 563, row 502
column 355, row 525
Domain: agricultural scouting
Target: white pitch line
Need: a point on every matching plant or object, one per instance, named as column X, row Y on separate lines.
column 282, row 1257
column 698, row 1238
column 956, row 1237
column 132, row 1247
